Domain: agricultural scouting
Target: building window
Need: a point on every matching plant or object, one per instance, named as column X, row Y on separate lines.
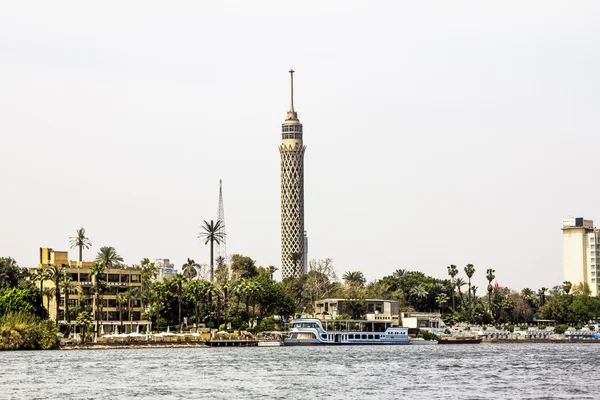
column 136, row 278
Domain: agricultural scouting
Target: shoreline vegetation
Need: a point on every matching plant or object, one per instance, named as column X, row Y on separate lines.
column 237, row 295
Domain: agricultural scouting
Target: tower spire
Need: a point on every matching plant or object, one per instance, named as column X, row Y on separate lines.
column 292, row 90
column 292, row 115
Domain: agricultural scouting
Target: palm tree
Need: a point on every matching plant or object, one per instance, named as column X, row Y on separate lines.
column 80, row 241
column 442, row 300
column 354, row 278
column 474, row 291
column 418, row 293
column 121, row 300
column 272, row 270
column 133, row 294
column 490, row 277
column 212, row 233
column 542, row 295
column 49, row 294
column 400, row 273
column 84, row 319
column 108, row 257
column 40, row 275
column 68, row 286
column 55, row 274
column 460, row 282
column 567, row 286
column 99, row 288
column 178, row 280
column 452, row 271
column 527, row 293
column 189, row 269
column 469, row 271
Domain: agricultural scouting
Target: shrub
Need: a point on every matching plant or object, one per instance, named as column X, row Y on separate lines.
column 266, row 324
column 592, row 327
column 428, row 335
column 560, row 329
column 523, row 327
column 21, row 331
column 542, row 327
column 578, row 326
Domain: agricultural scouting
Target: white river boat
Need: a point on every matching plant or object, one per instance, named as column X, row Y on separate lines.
column 313, row 331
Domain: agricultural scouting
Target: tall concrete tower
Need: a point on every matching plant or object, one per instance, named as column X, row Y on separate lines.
column 292, row 193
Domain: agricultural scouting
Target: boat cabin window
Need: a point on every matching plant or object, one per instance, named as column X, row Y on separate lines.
column 323, row 335
column 376, row 336
column 370, row 336
column 364, row 337
column 350, row 336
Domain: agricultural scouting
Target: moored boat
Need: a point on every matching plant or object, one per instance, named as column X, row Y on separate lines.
column 311, row 331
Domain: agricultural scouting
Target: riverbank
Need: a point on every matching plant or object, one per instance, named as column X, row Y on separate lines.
column 157, row 344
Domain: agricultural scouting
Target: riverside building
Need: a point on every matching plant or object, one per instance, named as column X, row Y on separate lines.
column 581, row 253
column 106, row 311
column 293, row 236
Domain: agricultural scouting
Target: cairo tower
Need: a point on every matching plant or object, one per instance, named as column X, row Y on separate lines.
column 293, row 249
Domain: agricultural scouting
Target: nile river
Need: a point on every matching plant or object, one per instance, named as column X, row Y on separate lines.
column 515, row 371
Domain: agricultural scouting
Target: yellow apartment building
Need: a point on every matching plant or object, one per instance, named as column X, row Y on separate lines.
column 118, row 280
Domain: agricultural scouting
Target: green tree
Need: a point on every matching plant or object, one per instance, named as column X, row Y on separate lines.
column 190, row 269
column 452, row 271
column 108, row 257
column 21, row 300
column 10, row 273
column 212, row 233
column 81, row 241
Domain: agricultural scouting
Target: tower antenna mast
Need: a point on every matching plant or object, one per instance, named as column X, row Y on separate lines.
column 222, row 246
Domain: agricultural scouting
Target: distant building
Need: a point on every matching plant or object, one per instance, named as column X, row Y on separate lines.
column 377, row 309
column 581, row 252
column 106, row 312
column 422, row 320
column 165, row 268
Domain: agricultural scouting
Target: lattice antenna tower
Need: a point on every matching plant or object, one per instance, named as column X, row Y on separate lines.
column 222, row 247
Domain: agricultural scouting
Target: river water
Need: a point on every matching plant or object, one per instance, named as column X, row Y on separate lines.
column 484, row 371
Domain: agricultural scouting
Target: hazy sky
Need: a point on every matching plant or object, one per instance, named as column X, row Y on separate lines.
column 437, row 132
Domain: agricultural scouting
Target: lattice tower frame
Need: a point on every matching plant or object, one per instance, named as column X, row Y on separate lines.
column 292, row 150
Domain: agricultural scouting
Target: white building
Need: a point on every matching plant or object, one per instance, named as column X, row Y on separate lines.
column 581, row 252
column 165, row 267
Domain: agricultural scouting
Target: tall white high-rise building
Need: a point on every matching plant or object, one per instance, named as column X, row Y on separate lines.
column 581, row 252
